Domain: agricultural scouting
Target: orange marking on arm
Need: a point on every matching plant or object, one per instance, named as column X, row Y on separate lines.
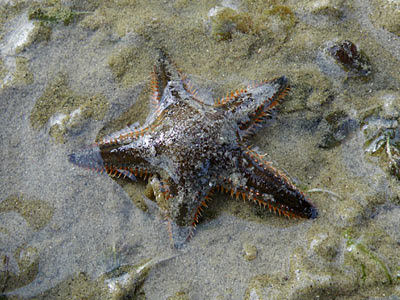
column 244, row 196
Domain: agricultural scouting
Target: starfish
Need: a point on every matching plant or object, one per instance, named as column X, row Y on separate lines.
column 189, row 148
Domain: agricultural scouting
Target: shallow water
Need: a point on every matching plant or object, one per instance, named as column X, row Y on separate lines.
column 64, row 229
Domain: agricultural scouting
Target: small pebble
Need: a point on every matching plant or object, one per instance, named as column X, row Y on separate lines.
column 250, row 251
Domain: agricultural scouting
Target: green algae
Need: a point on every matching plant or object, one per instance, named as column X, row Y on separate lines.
column 51, row 12
column 72, row 108
column 285, row 15
column 37, row 213
column 228, row 20
column 373, row 269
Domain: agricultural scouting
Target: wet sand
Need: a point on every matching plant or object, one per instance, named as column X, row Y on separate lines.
column 80, row 70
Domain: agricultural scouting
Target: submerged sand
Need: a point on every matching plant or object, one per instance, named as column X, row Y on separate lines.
column 74, row 71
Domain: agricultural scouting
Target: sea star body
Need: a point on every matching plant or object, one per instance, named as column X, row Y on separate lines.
column 190, row 149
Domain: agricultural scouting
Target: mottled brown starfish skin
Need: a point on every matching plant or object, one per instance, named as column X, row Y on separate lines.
column 192, row 148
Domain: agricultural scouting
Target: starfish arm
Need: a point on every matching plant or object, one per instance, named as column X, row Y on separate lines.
column 131, row 133
column 252, row 106
column 116, row 160
column 168, row 85
column 268, row 187
column 166, row 71
column 163, row 73
column 182, row 210
column 257, row 118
